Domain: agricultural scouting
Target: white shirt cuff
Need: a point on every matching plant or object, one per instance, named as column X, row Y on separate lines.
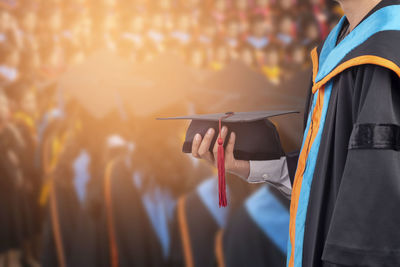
column 274, row 172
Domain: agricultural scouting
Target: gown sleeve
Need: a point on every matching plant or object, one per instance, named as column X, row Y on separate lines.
column 364, row 229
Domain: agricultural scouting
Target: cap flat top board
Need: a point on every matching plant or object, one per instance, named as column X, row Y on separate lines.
column 256, row 137
column 235, row 117
column 156, row 86
column 96, row 83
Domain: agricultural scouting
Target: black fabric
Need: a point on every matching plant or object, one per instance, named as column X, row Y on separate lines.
column 176, row 258
column 291, row 160
column 308, row 105
column 10, row 194
column 77, row 228
column 343, row 32
column 256, row 140
column 132, row 228
column 202, row 230
column 375, row 136
column 351, row 218
column 32, row 180
column 245, row 244
column 137, row 243
column 383, row 44
column 363, row 218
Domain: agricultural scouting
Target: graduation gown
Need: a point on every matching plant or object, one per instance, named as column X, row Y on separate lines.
column 346, row 187
column 126, row 223
column 198, row 220
column 10, row 190
column 256, row 235
column 69, row 232
column 32, row 180
column 159, row 206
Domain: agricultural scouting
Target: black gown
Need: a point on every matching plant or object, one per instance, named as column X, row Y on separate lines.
column 256, row 235
column 11, row 232
column 346, row 187
column 69, row 231
column 31, row 174
column 129, row 237
column 195, row 228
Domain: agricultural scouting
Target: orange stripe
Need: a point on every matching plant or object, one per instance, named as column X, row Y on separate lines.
column 56, row 225
column 299, row 171
column 312, row 133
column 362, row 60
column 109, row 212
column 219, row 249
column 185, row 236
column 314, row 58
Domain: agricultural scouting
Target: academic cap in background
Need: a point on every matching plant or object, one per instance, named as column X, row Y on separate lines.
column 256, row 138
column 97, row 82
column 157, row 85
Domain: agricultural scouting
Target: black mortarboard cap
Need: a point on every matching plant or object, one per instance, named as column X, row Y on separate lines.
column 256, row 137
column 97, row 83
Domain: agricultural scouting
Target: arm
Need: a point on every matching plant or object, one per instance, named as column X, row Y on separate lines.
column 276, row 172
column 279, row 173
column 364, row 225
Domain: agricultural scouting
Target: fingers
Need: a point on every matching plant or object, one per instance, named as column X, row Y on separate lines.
column 231, row 145
column 195, row 146
column 204, row 149
column 224, row 132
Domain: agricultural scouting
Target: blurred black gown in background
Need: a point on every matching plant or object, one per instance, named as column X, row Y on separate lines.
column 10, row 192
column 257, row 233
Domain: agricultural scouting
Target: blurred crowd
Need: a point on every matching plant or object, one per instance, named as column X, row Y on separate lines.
column 42, row 38
column 56, row 205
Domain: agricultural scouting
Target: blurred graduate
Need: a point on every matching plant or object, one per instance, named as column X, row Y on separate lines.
column 198, row 219
column 69, row 229
column 256, row 234
column 11, row 216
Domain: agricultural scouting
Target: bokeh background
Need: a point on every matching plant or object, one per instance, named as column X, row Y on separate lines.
column 90, row 178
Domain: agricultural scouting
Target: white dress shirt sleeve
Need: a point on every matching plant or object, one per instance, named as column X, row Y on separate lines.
column 274, row 172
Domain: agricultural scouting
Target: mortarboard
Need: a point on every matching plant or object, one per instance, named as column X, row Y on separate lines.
column 97, row 82
column 161, row 84
column 256, row 137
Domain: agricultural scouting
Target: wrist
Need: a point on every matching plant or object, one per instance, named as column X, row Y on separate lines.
column 241, row 168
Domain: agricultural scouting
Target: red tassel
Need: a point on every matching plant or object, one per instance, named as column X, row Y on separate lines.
column 221, row 174
column 221, row 165
column 223, row 202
